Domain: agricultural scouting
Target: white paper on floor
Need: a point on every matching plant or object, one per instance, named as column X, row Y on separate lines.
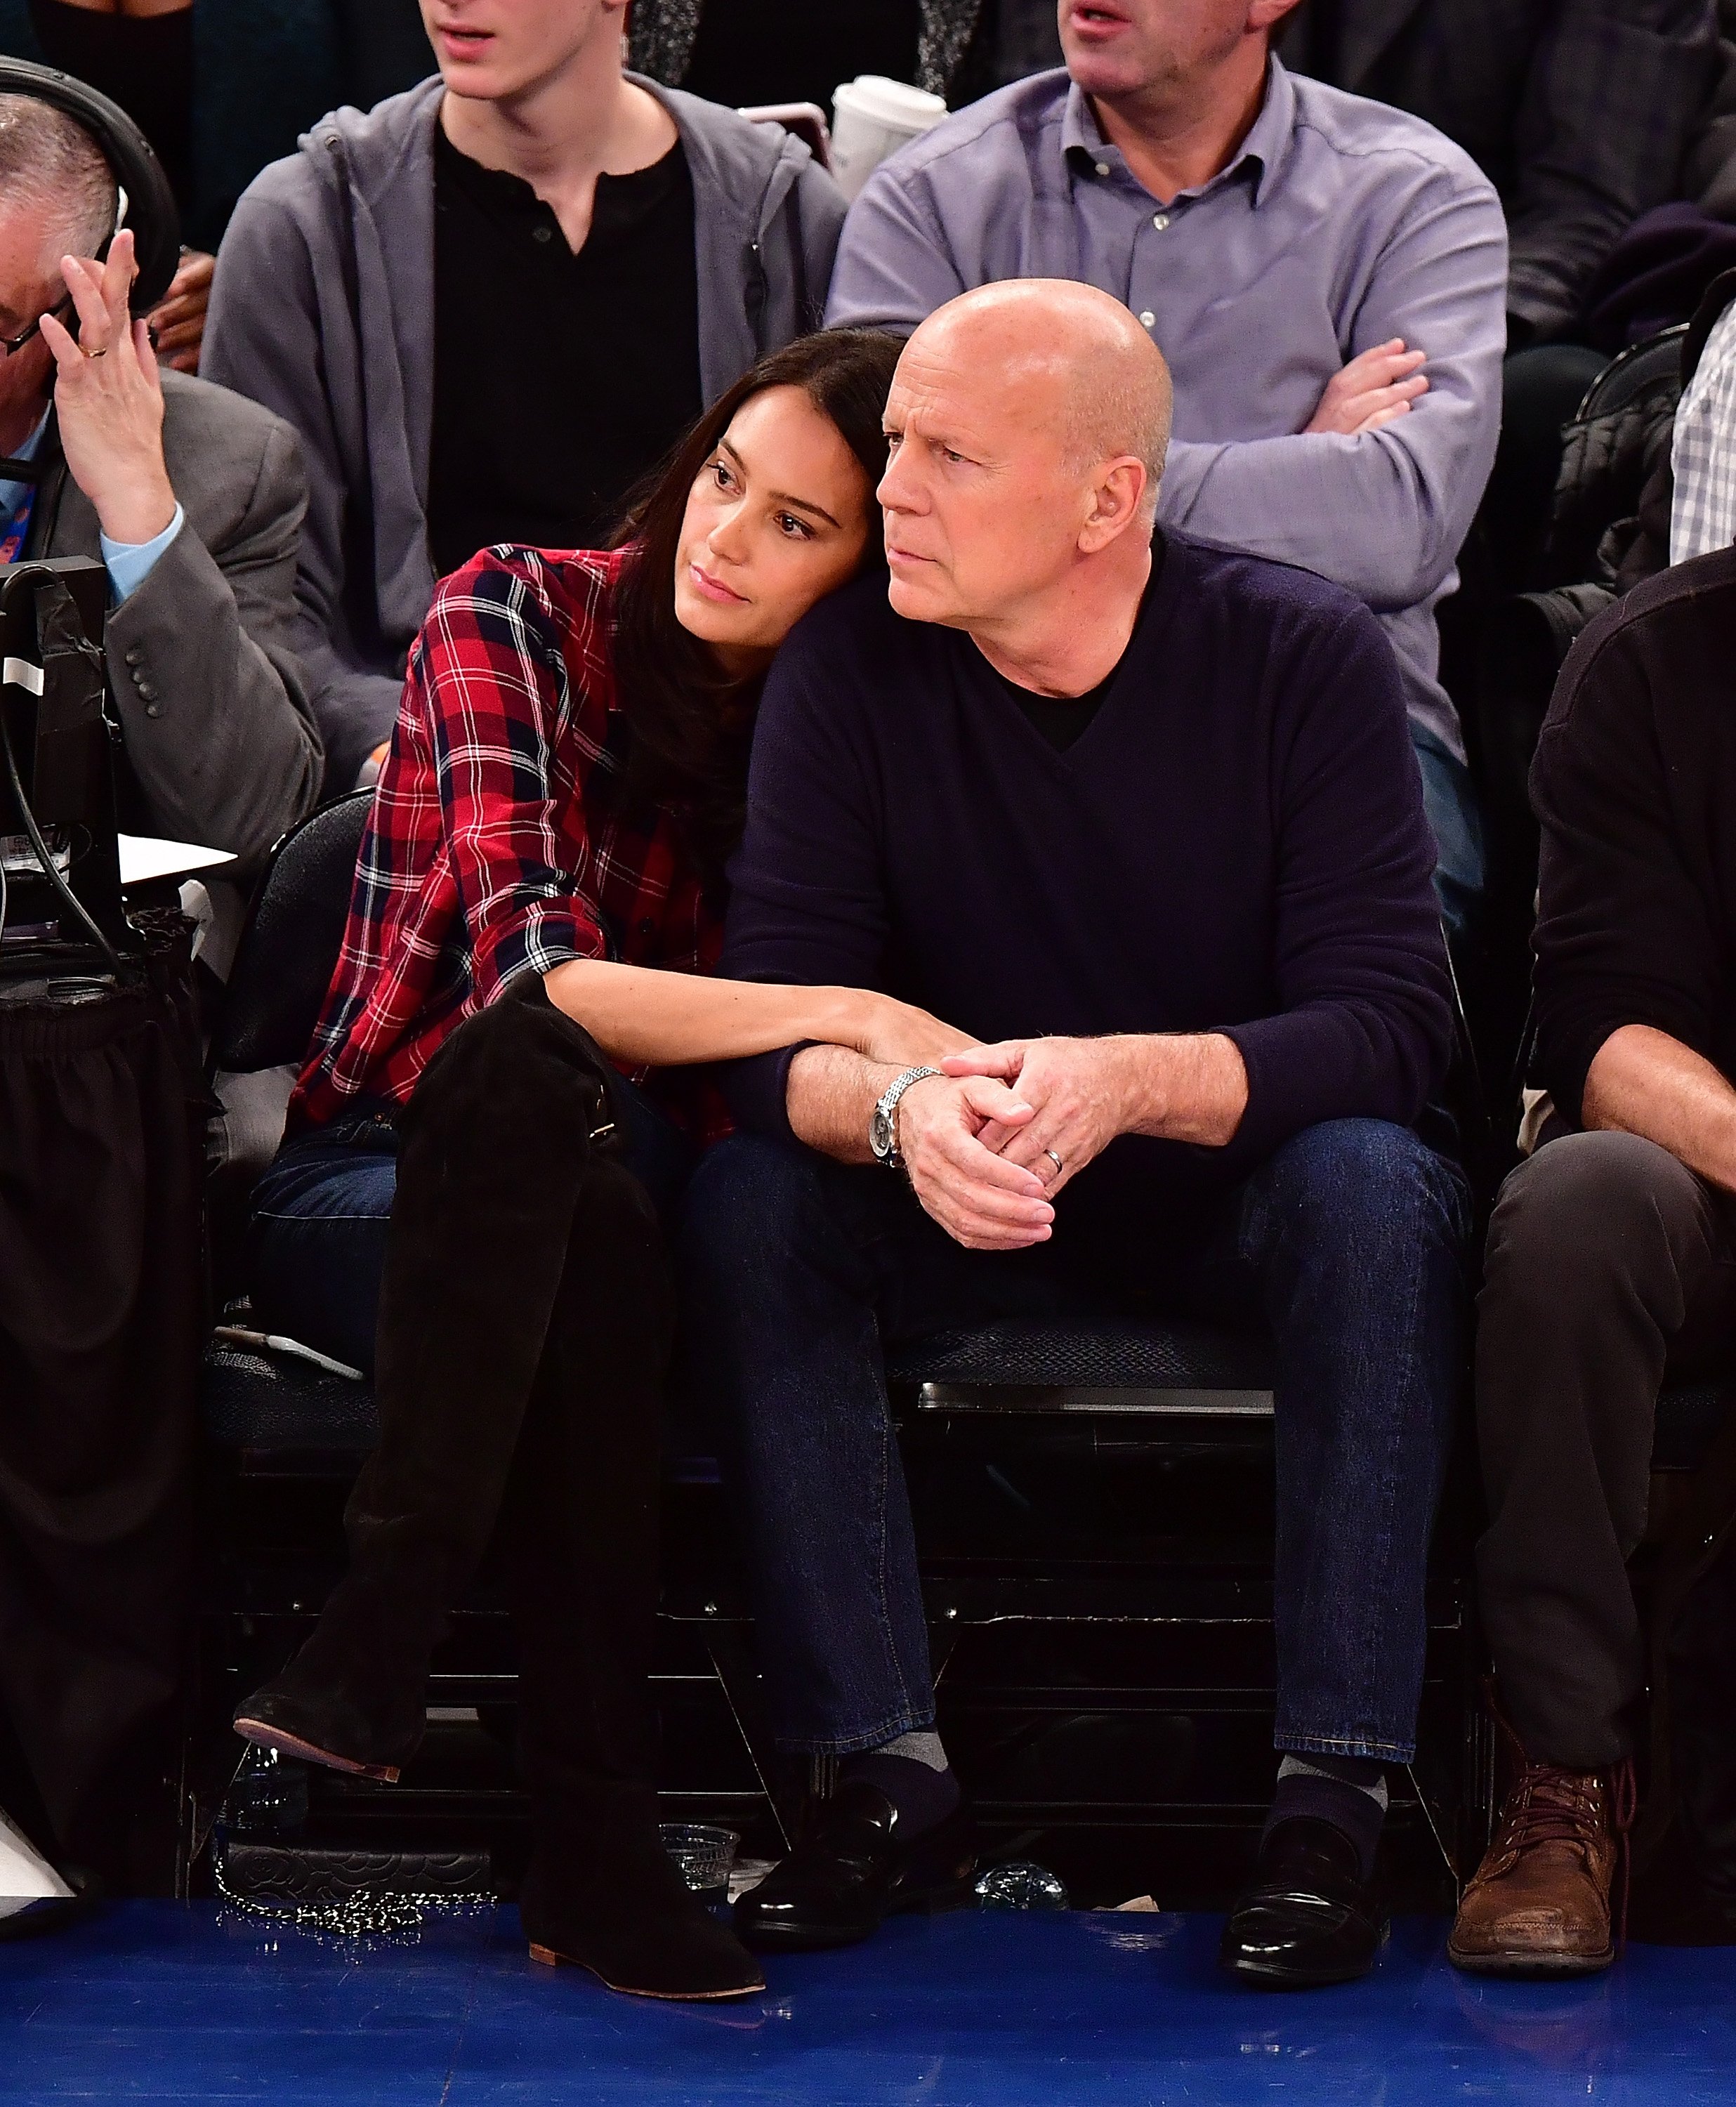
column 25, row 1876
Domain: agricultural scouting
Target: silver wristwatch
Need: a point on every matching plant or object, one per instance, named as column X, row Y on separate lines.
column 883, row 1124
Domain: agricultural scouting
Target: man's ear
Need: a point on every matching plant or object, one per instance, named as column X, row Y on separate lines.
column 1117, row 502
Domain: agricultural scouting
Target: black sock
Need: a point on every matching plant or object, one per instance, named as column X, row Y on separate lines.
column 923, row 1797
column 1338, row 1789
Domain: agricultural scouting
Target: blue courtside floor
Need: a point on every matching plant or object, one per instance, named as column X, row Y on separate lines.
column 158, row 2001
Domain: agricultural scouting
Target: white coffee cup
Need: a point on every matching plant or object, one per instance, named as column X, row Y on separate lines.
column 872, row 116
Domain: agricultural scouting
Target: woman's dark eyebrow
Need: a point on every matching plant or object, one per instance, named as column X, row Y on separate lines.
column 782, row 496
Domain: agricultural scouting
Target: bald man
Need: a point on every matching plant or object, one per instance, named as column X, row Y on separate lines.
column 1138, row 816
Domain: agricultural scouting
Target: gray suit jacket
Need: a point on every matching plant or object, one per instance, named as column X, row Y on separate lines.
column 220, row 742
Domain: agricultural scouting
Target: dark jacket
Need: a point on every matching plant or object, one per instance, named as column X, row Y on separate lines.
column 321, row 309
column 1635, row 784
column 1579, row 111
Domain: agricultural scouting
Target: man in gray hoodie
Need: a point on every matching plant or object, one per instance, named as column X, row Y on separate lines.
column 490, row 305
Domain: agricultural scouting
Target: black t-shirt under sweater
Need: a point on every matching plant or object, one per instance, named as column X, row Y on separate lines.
column 560, row 380
column 1062, row 719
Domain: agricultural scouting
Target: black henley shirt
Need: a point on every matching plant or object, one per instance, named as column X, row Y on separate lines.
column 560, row 379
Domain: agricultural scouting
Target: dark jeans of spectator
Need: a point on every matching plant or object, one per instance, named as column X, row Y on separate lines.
column 318, row 1241
column 1349, row 1243
column 1455, row 820
column 1610, row 1264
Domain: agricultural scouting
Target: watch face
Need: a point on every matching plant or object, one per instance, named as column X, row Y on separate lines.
column 880, row 1134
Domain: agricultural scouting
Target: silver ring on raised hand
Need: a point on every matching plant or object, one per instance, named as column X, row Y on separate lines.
column 1060, row 1167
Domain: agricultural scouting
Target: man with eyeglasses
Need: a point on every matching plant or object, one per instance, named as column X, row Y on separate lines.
column 189, row 495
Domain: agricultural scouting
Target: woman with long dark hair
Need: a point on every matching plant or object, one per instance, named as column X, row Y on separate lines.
column 507, row 1067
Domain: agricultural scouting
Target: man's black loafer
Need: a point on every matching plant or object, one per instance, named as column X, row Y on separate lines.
column 1307, row 1917
column 850, row 1870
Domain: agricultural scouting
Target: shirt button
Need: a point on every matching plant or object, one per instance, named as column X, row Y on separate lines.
column 1147, row 319
column 1160, row 221
column 542, row 233
column 1102, row 168
column 153, row 709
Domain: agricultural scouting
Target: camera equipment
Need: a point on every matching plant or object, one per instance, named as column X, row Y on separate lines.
column 60, row 866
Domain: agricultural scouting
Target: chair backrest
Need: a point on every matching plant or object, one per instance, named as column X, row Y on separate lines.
column 284, row 963
column 807, row 120
column 1656, row 363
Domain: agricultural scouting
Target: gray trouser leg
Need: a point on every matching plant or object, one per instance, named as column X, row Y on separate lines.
column 1608, row 1258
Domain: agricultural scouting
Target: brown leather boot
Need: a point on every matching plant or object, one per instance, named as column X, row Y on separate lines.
column 1539, row 1904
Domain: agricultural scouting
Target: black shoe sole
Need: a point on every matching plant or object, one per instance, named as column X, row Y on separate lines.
column 1527, row 1967
column 548, row 1956
column 935, row 1901
column 1259, row 1976
column 264, row 1735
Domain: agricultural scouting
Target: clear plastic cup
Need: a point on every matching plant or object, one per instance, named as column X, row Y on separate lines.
column 704, row 1855
column 1020, row 1885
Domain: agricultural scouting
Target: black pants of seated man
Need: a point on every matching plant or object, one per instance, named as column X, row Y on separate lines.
column 1611, row 1265
column 525, row 1323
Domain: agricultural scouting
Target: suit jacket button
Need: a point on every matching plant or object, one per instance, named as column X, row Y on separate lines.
column 147, row 690
column 133, row 656
column 153, row 709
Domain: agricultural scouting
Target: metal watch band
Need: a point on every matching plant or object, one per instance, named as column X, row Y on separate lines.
column 887, row 1110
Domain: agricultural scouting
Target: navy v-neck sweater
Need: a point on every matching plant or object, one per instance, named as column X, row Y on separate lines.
column 1235, row 843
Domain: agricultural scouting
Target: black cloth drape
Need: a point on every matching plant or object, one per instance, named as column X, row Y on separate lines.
column 101, row 1319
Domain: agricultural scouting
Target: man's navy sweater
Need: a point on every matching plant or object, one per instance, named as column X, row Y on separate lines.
column 1237, row 844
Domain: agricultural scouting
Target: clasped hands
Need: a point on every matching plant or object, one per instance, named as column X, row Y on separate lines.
column 989, row 1143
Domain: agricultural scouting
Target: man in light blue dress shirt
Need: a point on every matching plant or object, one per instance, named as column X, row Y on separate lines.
column 1326, row 276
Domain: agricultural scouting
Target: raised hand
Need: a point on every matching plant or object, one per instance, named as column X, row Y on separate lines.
column 1376, row 386
column 108, row 399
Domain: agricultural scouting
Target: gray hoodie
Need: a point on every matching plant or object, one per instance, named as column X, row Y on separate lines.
column 322, row 309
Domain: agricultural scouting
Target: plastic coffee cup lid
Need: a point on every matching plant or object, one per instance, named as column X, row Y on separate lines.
column 891, row 102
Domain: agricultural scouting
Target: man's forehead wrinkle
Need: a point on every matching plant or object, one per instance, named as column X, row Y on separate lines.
column 973, row 385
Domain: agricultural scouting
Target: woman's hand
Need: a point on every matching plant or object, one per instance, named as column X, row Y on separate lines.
column 903, row 1036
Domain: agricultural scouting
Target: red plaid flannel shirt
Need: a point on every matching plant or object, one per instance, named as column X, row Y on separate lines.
column 500, row 841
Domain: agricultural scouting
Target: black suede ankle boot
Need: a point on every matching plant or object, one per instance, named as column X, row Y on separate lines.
column 603, row 1893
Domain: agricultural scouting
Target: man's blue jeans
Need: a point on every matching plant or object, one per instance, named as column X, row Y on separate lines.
column 1349, row 1244
column 1455, row 820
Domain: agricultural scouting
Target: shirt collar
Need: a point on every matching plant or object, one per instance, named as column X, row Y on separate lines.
column 1260, row 155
